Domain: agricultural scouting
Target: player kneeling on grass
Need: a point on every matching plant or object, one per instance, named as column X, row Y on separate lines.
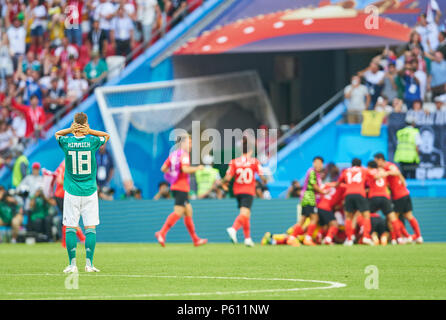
column 280, row 239
column 244, row 169
column 176, row 171
column 81, row 198
column 309, row 194
column 325, row 210
column 379, row 231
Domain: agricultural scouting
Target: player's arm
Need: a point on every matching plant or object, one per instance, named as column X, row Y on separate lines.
column 164, row 168
column 225, row 181
column 190, row 169
column 98, row 133
column 64, row 132
column 394, row 171
column 318, row 189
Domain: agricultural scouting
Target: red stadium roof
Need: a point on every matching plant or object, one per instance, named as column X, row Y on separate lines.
column 298, row 30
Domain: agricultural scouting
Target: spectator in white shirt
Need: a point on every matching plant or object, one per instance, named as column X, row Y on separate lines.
column 122, row 33
column 78, row 86
column 357, row 98
column 105, row 11
column 6, row 65
column 66, row 50
column 39, row 24
column 382, row 105
column 374, row 78
column 129, row 8
column 19, row 124
column 440, row 103
column 17, row 40
column 6, row 137
column 146, row 17
column 428, row 32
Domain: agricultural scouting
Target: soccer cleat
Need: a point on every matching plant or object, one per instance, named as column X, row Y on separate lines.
column 348, row 243
column 394, row 242
column 200, row 242
column 249, row 243
column 400, row 241
column 160, row 239
column 266, row 239
column 91, row 269
column 308, row 241
column 375, row 239
column 409, row 240
column 419, row 240
column 292, row 241
column 232, row 233
column 384, row 240
column 367, row 241
column 327, row 240
column 70, row 269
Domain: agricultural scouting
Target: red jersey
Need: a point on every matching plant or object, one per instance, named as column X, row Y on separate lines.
column 397, row 188
column 60, row 172
column 244, row 169
column 377, row 187
column 354, row 179
column 182, row 183
column 332, row 198
column 33, row 117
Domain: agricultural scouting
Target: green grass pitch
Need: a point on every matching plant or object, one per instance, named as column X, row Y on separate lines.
column 225, row 271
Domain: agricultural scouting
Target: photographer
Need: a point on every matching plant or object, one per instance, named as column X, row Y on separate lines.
column 132, row 194
column 40, row 217
column 11, row 214
column 163, row 191
column 106, row 193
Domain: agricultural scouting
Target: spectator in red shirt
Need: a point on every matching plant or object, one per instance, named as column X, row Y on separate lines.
column 34, row 116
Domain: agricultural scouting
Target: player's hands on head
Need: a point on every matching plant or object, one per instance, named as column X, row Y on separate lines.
column 81, row 129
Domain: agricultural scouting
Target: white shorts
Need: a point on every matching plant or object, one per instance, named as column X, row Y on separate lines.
column 76, row 206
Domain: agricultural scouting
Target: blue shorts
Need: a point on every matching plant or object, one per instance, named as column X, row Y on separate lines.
column 37, row 31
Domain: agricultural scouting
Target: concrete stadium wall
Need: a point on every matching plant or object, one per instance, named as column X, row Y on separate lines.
column 137, row 221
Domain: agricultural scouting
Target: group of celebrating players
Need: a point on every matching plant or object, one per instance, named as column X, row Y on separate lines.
column 345, row 211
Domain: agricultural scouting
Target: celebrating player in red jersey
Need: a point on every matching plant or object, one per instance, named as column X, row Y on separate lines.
column 325, row 210
column 355, row 200
column 379, row 199
column 402, row 203
column 244, row 169
column 180, row 188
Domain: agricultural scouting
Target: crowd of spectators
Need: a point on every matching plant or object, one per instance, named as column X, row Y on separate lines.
column 52, row 53
column 411, row 77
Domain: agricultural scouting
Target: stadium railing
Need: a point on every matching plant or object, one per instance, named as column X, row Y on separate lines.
column 312, row 118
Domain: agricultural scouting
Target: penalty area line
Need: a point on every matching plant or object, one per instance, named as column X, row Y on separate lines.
column 327, row 285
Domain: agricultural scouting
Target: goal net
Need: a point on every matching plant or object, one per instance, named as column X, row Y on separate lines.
column 159, row 107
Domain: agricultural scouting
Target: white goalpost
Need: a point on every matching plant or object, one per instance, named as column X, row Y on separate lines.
column 159, row 106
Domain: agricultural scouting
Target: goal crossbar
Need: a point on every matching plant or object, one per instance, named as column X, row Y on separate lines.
column 215, row 89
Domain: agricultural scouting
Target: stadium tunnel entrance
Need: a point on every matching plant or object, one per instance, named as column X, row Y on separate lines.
column 296, row 82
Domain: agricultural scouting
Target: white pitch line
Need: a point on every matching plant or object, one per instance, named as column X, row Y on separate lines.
column 331, row 285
